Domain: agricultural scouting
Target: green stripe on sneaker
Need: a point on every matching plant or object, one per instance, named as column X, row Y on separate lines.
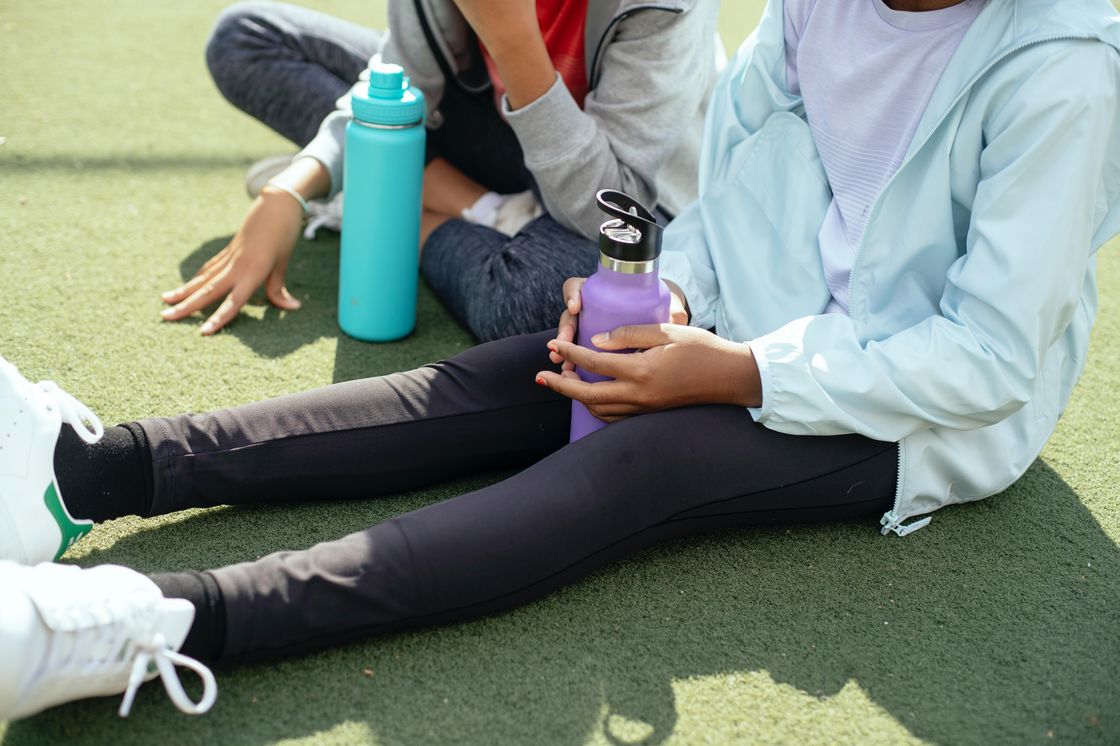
column 71, row 531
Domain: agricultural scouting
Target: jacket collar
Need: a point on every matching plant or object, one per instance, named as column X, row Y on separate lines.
column 1004, row 27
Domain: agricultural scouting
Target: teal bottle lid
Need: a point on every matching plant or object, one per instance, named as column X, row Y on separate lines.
column 390, row 101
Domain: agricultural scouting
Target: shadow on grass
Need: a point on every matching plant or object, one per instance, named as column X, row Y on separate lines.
column 313, row 278
column 997, row 625
column 17, row 162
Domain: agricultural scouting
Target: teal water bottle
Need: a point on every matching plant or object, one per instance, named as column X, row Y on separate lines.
column 381, row 182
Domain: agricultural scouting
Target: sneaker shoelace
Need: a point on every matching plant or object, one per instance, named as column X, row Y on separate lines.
column 157, row 651
column 323, row 215
column 99, row 651
column 77, row 415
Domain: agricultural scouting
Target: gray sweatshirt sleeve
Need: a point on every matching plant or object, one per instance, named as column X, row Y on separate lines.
column 404, row 45
column 655, row 75
column 327, row 145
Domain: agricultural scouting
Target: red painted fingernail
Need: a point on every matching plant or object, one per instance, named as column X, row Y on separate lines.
column 540, row 382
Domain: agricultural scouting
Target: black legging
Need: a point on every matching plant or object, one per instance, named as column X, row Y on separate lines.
column 573, row 509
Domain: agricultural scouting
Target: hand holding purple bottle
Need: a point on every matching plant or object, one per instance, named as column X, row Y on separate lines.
column 625, row 290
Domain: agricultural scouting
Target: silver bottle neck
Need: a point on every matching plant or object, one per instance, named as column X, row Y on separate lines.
column 373, row 126
column 628, row 268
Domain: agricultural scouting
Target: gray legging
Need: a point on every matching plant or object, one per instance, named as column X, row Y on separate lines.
column 571, row 510
column 286, row 65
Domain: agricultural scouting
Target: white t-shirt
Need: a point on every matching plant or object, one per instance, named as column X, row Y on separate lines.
column 866, row 74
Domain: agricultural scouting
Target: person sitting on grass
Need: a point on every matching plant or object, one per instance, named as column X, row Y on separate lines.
column 897, row 254
column 556, row 98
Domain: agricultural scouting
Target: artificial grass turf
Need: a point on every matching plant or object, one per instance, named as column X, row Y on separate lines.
column 120, row 173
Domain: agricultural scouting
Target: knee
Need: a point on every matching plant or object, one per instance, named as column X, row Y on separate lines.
column 230, row 33
column 509, row 310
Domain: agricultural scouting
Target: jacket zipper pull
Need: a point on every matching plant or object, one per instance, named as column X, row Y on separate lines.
column 891, row 522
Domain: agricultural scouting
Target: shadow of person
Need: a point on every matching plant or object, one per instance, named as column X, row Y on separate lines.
column 996, row 625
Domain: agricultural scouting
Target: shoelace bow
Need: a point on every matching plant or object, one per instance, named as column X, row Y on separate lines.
column 78, row 415
column 115, row 641
column 165, row 659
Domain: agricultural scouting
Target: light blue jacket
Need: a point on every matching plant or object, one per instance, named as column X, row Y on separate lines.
column 973, row 290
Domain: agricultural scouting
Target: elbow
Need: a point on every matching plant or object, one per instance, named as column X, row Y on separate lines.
column 995, row 392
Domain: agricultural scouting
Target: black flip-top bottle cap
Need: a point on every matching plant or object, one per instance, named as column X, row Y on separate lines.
column 633, row 234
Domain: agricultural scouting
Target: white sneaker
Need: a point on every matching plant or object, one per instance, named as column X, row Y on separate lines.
column 34, row 523
column 261, row 172
column 323, row 214
column 67, row 633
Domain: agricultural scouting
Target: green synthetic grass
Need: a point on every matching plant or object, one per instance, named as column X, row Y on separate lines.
column 120, row 172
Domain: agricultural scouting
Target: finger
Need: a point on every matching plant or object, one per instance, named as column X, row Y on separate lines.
column 218, row 259
column 575, row 388
column 572, row 300
column 678, row 314
column 201, row 298
column 187, row 288
column 633, row 337
column 614, row 410
column 275, row 290
column 566, row 332
column 567, row 329
column 225, row 313
column 603, row 363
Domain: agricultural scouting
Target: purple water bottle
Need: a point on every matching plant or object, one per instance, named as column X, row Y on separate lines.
column 625, row 290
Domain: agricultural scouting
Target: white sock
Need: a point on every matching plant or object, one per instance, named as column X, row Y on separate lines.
column 516, row 211
column 485, row 210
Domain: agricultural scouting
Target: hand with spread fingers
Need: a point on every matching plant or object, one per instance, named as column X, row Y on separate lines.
column 673, row 366
column 258, row 254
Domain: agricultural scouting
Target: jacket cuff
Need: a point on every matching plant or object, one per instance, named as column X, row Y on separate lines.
column 327, row 148
column 766, row 411
column 781, row 351
column 550, row 127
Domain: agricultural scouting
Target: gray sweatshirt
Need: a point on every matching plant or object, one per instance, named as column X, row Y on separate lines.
column 650, row 64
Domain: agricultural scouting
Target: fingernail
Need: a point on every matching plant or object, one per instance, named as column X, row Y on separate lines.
column 207, row 328
column 540, row 381
column 166, row 313
column 551, row 345
column 600, row 338
column 572, row 306
column 167, row 295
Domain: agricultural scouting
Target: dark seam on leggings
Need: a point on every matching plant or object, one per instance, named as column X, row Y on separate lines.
column 767, row 511
column 786, row 485
column 286, row 440
column 415, row 621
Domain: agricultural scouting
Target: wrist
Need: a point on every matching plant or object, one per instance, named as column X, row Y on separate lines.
column 278, row 209
column 743, row 377
column 282, row 191
column 525, row 67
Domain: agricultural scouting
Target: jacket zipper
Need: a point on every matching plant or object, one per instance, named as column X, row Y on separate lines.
column 891, row 521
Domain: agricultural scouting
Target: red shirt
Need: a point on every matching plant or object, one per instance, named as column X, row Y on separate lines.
column 562, row 26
